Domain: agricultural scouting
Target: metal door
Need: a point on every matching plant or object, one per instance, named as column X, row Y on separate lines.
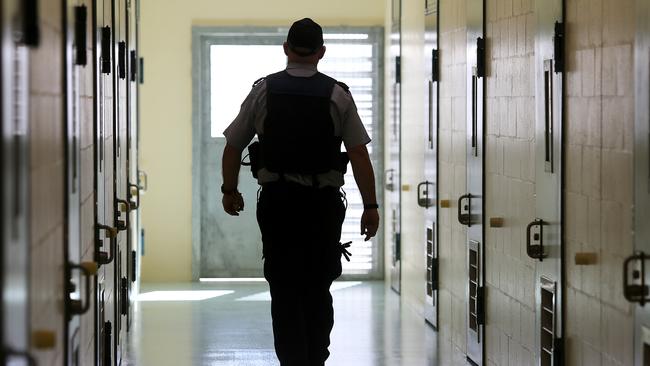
column 121, row 205
column 106, row 231
column 393, row 173
column 78, row 296
column 427, row 190
column 19, row 31
column 471, row 205
column 635, row 277
column 134, row 188
column 544, row 234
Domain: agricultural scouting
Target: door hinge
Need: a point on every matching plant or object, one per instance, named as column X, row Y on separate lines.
column 106, row 50
column 31, row 33
column 134, row 67
column 480, row 305
column 435, row 71
column 124, row 296
column 121, row 66
column 558, row 47
column 398, row 69
column 80, row 30
column 398, row 246
column 141, row 70
column 480, row 57
column 134, row 263
column 434, row 274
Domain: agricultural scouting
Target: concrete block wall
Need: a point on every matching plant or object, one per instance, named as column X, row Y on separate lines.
column 599, row 183
column 47, row 190
column 453, row 183
column 509, row 179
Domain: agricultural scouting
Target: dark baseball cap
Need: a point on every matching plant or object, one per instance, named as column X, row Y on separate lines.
column 305, row 37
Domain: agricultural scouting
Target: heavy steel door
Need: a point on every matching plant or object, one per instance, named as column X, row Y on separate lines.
column 636, row 277
column 134, row 187
column 393, row 173
column 77, row 275
column 106, row 231
column 544, row 234
column 19, row 30
column 121, row 205
column 427, row 191
column 471, row 205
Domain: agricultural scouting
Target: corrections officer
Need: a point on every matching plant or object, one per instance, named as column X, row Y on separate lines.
column 301, row 117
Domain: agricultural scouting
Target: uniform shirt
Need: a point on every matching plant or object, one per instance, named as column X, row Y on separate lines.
column 250, row 121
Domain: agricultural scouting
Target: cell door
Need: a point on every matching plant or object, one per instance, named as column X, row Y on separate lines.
column 133, row 192
column 393, row 173
column 106, row 230
column 19, row 31
column 428, row 190
column 471, row 205
column 544, row 234
column 77, row 275
column 121, row 205
column 636, row 278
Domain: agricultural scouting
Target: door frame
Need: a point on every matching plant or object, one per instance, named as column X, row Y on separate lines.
column 205, row 36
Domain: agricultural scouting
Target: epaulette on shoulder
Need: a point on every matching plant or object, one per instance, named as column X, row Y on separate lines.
column 344, row 86
column 258, row 81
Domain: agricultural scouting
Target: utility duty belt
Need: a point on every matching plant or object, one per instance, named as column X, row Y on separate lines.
column 255, row 161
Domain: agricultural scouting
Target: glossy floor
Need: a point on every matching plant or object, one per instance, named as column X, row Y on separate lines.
column 229, row 324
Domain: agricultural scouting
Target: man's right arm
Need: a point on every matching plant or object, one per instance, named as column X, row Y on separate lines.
column 365, row 177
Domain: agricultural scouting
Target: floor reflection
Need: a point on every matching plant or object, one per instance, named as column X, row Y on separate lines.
column 234, row 328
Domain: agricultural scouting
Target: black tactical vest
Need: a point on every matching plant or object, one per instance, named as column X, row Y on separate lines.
column 298, row 131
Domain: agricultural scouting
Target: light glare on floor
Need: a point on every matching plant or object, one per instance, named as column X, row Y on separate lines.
column 181, row 295
column 243, row 279
column 266, row 295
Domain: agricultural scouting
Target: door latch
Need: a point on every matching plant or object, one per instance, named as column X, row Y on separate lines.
column 465, row 211
column 134, row 191
column 536, row 251
column 424, row 199
column 390, row 180
column 123, row 207
column 636, row 292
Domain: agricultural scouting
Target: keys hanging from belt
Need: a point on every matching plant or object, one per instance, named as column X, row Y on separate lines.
column 344, row 250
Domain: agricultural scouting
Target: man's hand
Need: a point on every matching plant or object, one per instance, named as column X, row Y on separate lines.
column 369, row 223
column 233, row 203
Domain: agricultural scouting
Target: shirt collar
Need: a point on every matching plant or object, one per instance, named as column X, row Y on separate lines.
column 301, row 67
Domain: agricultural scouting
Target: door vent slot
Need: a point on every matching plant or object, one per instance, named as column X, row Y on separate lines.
column 432, row 275
column 474, row 271
column 547, row 323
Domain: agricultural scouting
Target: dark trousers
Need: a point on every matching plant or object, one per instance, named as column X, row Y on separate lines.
column 301, row 230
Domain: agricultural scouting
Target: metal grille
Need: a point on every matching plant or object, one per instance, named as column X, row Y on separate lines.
column 430, row 260
column 474, row 267
column 547, row 324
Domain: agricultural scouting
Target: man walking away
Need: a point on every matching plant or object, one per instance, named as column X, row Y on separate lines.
column 301, row 117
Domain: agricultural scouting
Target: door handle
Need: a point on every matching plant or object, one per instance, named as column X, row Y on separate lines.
column 390, row 185
column 10, row 353
column 635, row 292
column 536, row 251
column 134, row 190
column 88, row 269
column 424, row 200
column 111, row 234
column 465, row 218
column 123, row 207
column 474, row 139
